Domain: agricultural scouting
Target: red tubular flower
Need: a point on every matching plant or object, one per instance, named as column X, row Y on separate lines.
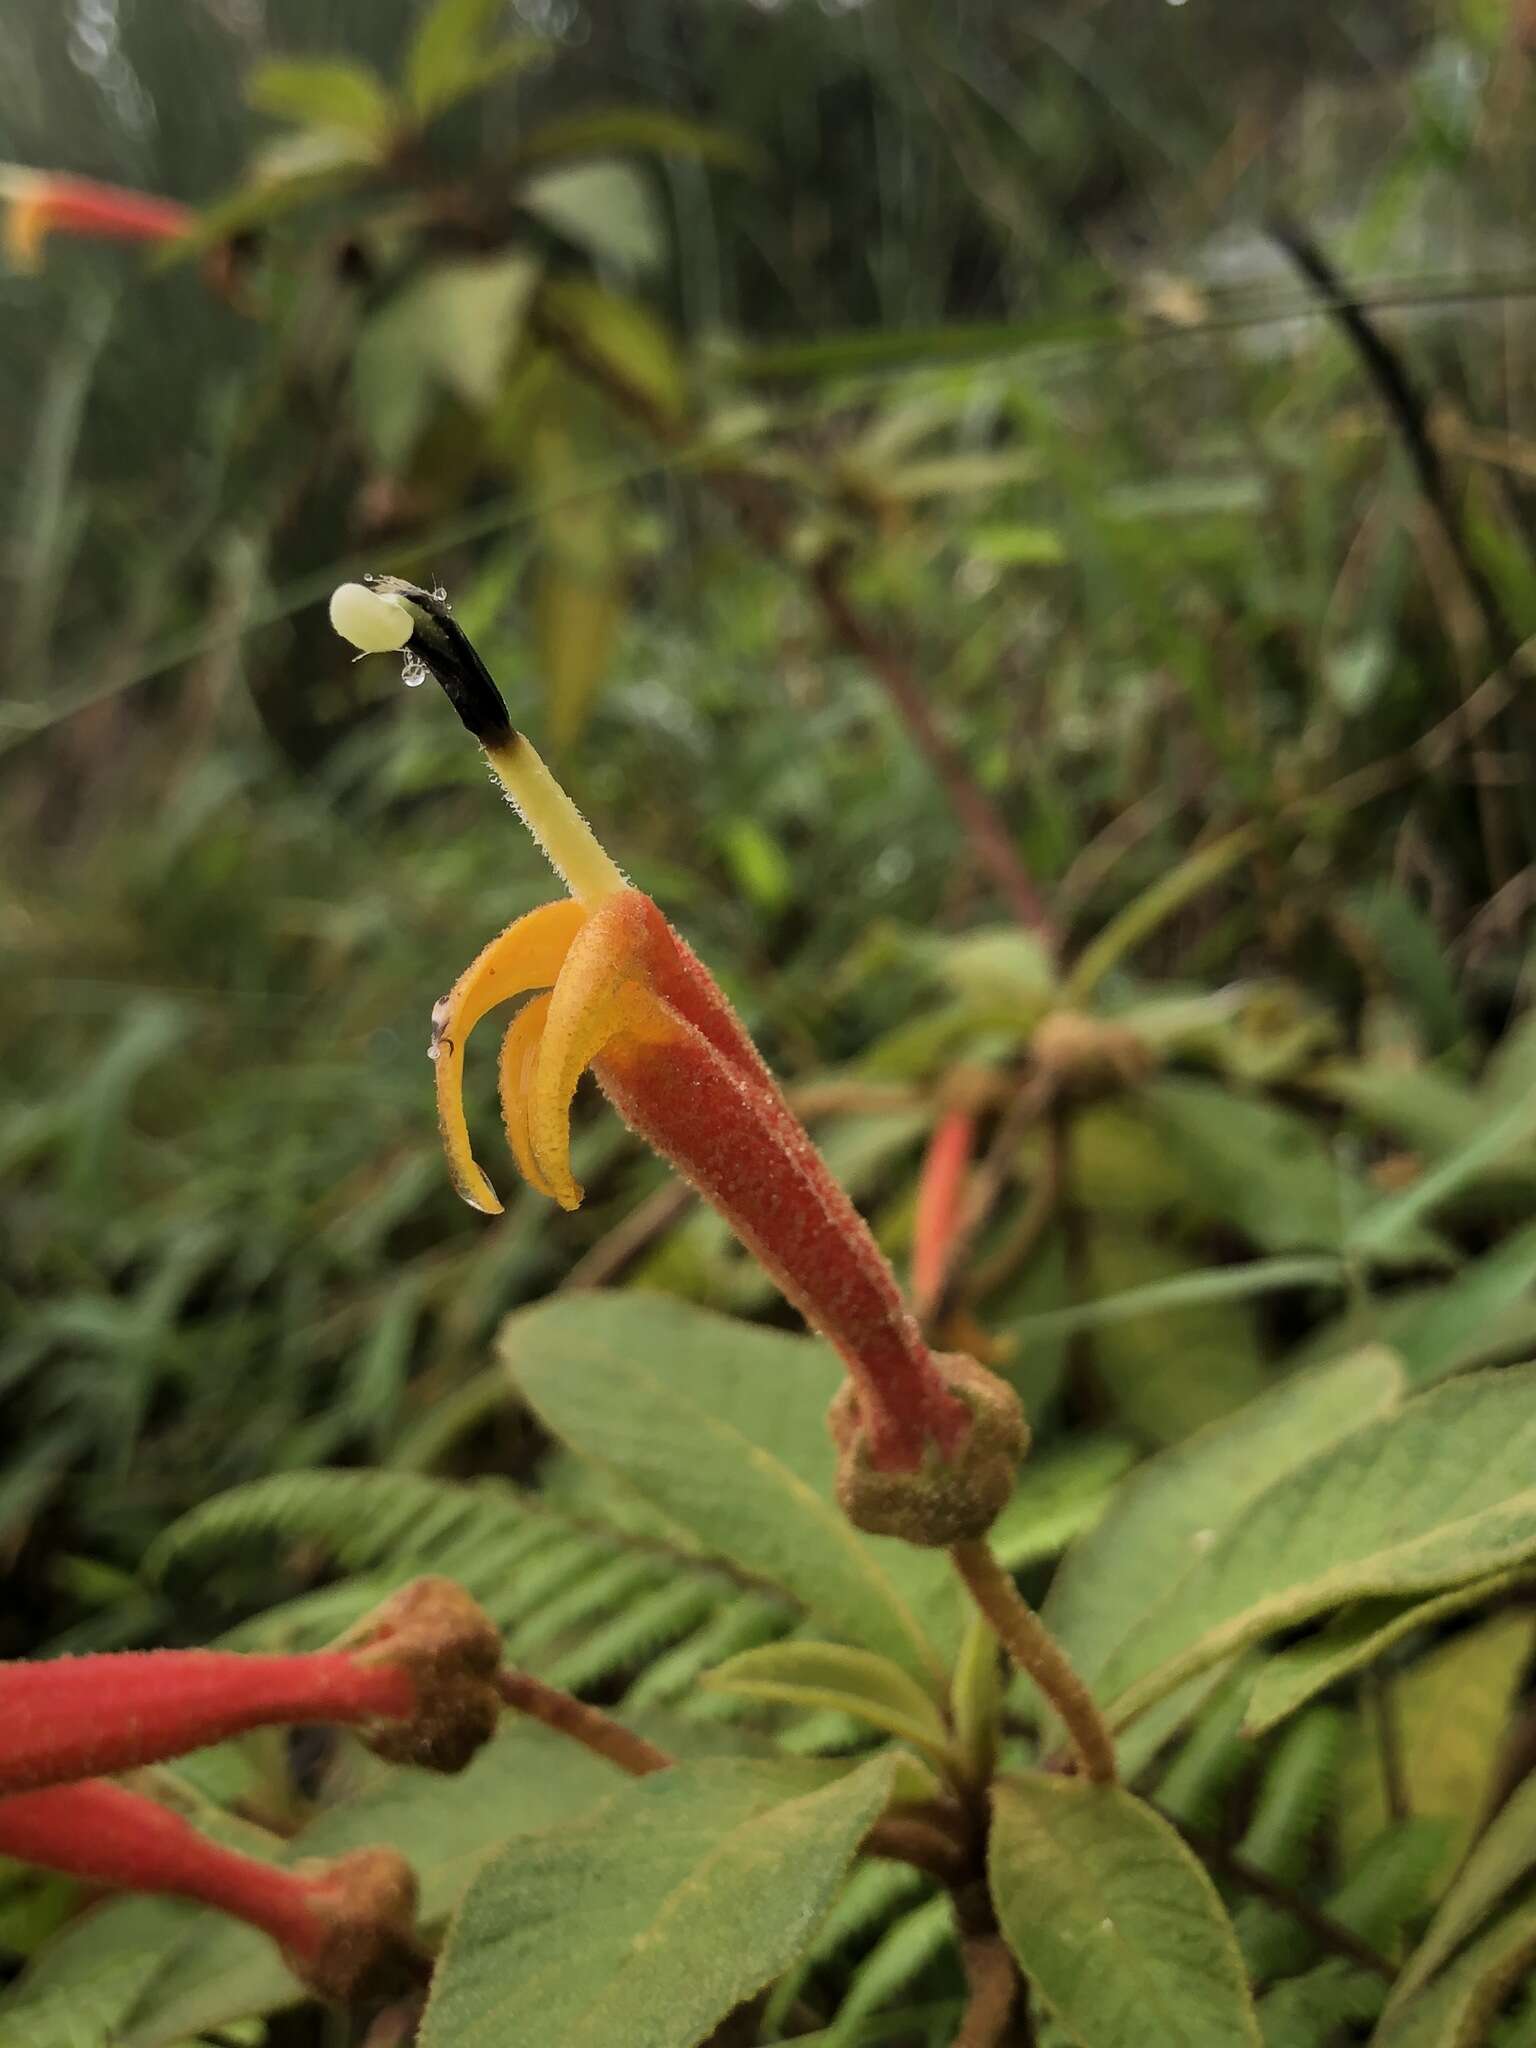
column 940, row 1205
column 342, row 1926
column 631, row 1000
column 40, row 203
column 79, row 1717
column 616, row 989
column 418, row 1675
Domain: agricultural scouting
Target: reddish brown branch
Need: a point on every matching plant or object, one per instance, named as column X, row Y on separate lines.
column 992, row 1987
column 589, row 1726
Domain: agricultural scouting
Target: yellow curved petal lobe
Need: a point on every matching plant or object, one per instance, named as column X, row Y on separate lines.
column 597, row 999
column 528, row 955
column 519, row 1062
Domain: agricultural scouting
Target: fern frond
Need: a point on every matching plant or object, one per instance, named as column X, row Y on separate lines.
column 866, row 1903
column 1297, row 1788
column 1311, row 2011
column 653, row 1623
column 1392, row 1883
column 594, row 1597
column 581, row 1600
column 750, row 1619
column 355, row 1521
column 907, row 1948
column 1294, row 1797
column 1209, row 1763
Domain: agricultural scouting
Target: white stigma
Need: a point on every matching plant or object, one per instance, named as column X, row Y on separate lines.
column 373, row 623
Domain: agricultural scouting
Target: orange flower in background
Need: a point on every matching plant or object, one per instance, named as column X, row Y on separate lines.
column 611, row 986
column 42, row 203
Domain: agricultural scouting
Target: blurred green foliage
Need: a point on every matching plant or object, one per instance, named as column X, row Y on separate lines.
column 980, row 296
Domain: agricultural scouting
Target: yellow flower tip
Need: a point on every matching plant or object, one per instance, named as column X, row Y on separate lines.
column 527, row 956
column 28, row 217
column 371, row 621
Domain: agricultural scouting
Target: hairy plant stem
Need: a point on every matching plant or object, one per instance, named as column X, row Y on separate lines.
column 589, row 1726
column 760, row 514
column 1035, row 1650
column 992, row 1989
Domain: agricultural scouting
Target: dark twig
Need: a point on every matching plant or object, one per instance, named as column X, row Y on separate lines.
column 1408, row 412
column 1405, row 407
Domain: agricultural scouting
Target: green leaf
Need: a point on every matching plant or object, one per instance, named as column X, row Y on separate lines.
column 1017, row 546
column 1114, row 1920
column 1423, row 1106
column 1196, row 1288
column 1413, row 954
column 286, row 171
column 722, row 1427
column 758, row 865
column 857, row 1682
column 657, row 1916
column 1171, row 1509
column 332, row 93
column 1358, row 1637
column 1267, row 1171
column 1502, row 1859
column 1060, row 1495
column 1391, row 1224
column 1436, row 1495
column 448, row 56
column 454, row 330
column 1171, row 1369
column 87, row 1981
column 605, row 208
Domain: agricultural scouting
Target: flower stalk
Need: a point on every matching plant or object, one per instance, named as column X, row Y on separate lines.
column 1036, row 1651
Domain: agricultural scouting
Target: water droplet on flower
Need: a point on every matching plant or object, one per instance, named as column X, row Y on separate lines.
column 414, row 672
